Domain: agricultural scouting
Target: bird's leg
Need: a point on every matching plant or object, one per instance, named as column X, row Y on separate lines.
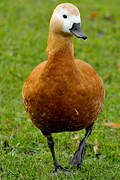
column 57, row 166
column 79, row 154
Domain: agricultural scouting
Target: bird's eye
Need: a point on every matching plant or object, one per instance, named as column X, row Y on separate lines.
column 65, row 16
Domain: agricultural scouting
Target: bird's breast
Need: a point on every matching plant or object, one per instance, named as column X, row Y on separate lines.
column 61, row 105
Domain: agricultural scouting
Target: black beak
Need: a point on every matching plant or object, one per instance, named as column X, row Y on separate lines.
column 76, row 30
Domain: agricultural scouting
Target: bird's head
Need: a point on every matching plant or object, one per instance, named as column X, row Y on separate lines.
column 66, row 20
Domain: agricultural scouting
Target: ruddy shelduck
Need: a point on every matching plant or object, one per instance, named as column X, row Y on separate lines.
column 61, row 93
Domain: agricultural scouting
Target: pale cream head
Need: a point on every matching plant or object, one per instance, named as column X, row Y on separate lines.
column 63, row 18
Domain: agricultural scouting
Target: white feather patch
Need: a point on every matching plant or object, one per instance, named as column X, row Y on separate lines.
column 67, row 22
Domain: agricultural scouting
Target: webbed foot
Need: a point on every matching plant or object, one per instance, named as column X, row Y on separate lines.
column 58, row 168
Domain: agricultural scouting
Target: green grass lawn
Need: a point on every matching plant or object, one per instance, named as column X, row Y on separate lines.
column 24, row 153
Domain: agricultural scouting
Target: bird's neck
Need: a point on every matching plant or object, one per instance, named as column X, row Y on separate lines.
column 60, row 47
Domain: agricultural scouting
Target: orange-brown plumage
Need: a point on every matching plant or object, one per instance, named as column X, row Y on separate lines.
column 59, row 87
column 62, row 94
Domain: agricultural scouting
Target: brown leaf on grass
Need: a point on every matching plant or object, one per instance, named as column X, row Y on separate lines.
column 93, row 15
column 95, row 148
column 112, row 125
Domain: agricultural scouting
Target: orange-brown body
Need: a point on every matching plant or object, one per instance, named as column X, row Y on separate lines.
column 63, row 94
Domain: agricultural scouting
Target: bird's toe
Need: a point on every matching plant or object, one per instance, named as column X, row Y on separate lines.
column 59, row 168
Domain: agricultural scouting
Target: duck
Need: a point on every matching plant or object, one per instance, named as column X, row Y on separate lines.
column 63, row 93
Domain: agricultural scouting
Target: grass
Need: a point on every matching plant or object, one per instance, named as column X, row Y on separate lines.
column 23, row 39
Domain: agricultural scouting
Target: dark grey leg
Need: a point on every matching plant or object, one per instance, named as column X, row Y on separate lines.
column 57, row 167
column 77, row 159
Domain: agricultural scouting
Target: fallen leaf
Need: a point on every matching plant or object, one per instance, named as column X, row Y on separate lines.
column 93, row 15
column 112, row 125
column 95, row 148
